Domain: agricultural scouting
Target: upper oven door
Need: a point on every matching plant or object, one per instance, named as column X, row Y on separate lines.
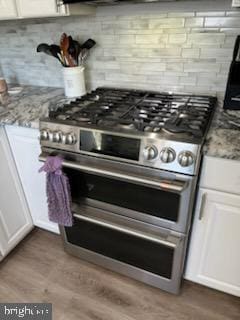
column 141, row 193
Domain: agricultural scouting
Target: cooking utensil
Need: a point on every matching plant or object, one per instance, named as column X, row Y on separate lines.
column 74, row 49
column 88, row 44
column 52, row 50
column 44, row 47
column 77, row 48
column 56, row 52
column 3, row 85
column 64, row 45
column 83, row 56
column 71, row 48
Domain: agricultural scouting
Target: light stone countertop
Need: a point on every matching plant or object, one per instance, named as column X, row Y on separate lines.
column 32, row 103
column 223, row 140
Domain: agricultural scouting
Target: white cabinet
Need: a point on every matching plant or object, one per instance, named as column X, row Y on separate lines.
column 15, row 219
column 236, row 3
column 25, row 146
column 18, row 9
column 30, row 8
column 8, row 9
column 50, row 8
column 214, row 252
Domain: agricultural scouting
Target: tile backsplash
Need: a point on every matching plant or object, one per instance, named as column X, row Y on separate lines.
column 175, row 46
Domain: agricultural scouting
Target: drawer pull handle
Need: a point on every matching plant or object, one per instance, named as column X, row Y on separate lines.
column 201, row 212
column 126, row 230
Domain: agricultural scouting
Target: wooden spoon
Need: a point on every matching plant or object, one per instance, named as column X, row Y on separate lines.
column 64, row 45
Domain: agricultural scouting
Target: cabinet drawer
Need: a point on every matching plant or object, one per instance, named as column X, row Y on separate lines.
column 221, row 174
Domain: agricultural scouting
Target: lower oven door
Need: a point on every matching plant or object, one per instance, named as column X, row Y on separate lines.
column 150, row 254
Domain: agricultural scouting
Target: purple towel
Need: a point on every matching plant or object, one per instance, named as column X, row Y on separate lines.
column 58, row 192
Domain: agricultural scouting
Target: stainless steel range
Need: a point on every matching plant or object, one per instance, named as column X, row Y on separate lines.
column 132, row 158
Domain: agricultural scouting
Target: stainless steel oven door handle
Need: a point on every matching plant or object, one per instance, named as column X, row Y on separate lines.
column 104, row 223
column 176, row 186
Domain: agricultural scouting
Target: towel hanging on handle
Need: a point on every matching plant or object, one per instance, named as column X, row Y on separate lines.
column 58, row 192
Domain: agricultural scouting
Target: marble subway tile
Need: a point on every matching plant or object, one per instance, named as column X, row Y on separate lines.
column 224, row 53
column 177, row 38
column 164, row 80
column 166, row 23
column 180, row 14
column 194, row 22
column 151, row 39
column 174, row 67
column 222, row 22
column 145, row 68
column 166, row 52
column 201, row 67
column 206, row 39
column 211, row 81
column 188, row 80
column 175, row 30
column 233, row 13
column 191, row 53
column 205, row 30
column 140, row 24
column 211, row 14
column 231, row 31
column 127, row 39
column 125, row 77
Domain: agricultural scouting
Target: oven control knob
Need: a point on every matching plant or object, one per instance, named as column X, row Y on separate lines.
column 57, row 136
column 150, row 153
column 44, row 135
column 50, row 136
column 167, row 155
column 70, row 138
column 186, row 158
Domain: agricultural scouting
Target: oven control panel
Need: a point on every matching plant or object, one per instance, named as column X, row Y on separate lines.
column 63, row 137
column 170, row 155
column 158, row 153
column 58, row 137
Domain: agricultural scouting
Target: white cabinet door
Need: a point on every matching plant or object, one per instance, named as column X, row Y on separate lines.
column 8, row 9
column 214, row 253
column 37, row 8
column 26, row 149
column 15, row 219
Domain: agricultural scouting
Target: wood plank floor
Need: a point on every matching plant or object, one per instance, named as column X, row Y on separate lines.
column 38, row 270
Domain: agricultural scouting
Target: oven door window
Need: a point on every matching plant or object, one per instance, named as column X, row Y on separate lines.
column 141, row 253
column 151, row 201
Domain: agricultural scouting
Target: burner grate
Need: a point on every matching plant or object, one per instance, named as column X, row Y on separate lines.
column 137, row 110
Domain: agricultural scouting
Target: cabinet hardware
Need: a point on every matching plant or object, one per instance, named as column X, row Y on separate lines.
column 201, row 212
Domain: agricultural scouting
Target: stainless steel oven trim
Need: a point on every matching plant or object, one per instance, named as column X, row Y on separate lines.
column 186, row 196
column 184, row 212
column 117, row 134
column 169, row 185
column 171, row 285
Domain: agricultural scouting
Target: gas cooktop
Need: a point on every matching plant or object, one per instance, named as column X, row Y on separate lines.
column 158, row 130
column 139, row 111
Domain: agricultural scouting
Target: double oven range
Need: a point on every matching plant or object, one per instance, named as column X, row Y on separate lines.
column 132, row 158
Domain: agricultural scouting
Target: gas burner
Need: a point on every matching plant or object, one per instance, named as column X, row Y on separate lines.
column 136, row 110
column 104, row 107
column 62, row 117
column 82, row 119
column 129, row 126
